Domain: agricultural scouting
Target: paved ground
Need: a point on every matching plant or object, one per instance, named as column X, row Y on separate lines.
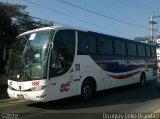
column 126, row 101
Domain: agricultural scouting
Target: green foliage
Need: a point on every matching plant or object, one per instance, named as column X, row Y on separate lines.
column 8, row 60
column 13, row 21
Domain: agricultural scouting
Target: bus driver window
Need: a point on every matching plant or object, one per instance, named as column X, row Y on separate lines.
column 57, row 63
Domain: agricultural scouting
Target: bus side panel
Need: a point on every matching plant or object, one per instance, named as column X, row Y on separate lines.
column 151, row 71
column 88, row 68
column 119, row 71
column 69, row 84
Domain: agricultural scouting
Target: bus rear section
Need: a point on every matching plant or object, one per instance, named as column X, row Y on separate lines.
column 121, row 61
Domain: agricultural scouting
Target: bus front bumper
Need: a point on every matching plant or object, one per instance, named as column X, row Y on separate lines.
column 39, row 96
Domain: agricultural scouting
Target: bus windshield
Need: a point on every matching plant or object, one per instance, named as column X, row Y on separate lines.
column 29, row 57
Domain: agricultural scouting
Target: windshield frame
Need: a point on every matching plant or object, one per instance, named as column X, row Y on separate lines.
column 17, row 73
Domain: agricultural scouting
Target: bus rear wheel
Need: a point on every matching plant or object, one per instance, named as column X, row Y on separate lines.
column 142, row 80
column 87, row 90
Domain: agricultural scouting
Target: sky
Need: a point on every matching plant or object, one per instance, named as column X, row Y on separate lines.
column 122, row 18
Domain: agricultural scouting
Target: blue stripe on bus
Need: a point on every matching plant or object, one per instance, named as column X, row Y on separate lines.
column 118, row 64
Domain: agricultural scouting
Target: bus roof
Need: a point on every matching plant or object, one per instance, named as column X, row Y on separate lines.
column 56, row 27
column 50, row 28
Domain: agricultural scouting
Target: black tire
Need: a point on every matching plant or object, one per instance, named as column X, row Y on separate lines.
column 158, row 88
column 87, row 90
column 142, row 80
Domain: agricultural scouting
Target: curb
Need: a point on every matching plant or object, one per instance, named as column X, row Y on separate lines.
column 8, row 100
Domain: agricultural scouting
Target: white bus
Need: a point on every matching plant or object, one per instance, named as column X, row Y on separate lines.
column 58, row 62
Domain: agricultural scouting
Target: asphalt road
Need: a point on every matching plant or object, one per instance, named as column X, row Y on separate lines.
column 124, row 100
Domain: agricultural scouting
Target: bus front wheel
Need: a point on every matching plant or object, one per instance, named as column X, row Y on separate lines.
column 87, row 90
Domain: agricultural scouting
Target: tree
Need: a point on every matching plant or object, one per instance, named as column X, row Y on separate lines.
column 13, row 21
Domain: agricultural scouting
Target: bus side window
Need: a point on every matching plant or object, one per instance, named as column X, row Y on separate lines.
column 153, row 51
column 148, row 51
column 86, row 44
column 57, row 65
column 131, row 48
column 64, row 51
column 141, row 50
column 105, row 46
column 120, row 47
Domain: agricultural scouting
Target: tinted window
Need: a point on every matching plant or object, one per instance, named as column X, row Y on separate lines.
column 131, row 49
column 86, row 43
column 62, row 53
column 141, row 50
column 148, row 51
column 120, row 48
column 153, row 51
column 105, row 46
column 67, row 38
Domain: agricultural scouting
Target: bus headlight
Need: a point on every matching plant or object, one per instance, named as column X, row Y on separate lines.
column 38, row 88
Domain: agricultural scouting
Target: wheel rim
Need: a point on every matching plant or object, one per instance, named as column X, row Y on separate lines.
column 87, row 90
